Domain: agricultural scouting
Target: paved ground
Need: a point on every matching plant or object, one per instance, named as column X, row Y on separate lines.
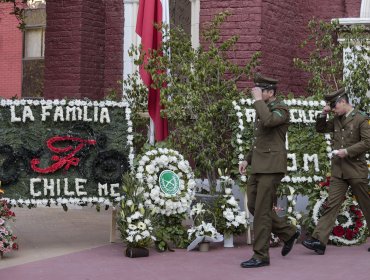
column 75, row 245
column 49, row 232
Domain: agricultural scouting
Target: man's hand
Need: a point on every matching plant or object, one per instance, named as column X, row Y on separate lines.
column 326, row 110
column 243, row 167
column 342, row 153
column 257, row 93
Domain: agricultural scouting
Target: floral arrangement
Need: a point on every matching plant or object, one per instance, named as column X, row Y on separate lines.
column 202, row 229
column 68, row 116
column 150, row 166
column 229, row 219
column 134, row 221
column 7, row 238
column 350, row 226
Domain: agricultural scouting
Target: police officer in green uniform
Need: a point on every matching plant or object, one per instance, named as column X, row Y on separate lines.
column 268, row 160
column 351, row 135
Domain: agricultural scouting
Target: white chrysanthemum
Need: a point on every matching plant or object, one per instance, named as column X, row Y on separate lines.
column 241, row 218
column 228, row 214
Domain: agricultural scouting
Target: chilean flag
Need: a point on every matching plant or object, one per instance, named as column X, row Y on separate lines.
column 150, row 12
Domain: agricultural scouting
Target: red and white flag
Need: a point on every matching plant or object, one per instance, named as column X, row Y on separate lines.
column 151, row 12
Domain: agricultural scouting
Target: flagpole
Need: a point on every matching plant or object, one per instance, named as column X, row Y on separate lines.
column 151, row 132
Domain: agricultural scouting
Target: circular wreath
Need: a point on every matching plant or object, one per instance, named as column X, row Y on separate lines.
column 151, row 164
column 350, row 225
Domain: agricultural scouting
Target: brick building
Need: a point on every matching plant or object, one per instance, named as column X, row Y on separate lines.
column 10, row 54
column 85, row 40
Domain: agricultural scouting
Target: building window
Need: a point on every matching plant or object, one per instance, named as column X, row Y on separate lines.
column 34, row 43
column 33, row 52
column 180, row 14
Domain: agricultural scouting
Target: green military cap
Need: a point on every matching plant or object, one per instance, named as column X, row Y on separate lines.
column 264, row 82
column 332, row 98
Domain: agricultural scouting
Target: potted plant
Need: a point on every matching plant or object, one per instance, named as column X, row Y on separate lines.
column 202, row 232
column 229, row 219
column 134, row 221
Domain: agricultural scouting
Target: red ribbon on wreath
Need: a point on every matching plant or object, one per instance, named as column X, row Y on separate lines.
column 65, row 161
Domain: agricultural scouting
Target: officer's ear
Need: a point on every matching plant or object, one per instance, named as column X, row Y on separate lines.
column 271, row 92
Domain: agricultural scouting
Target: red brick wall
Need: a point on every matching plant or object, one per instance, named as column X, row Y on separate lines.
column 114, row 21
column 10, row 54
column 83, row 53
column 92, row 49
column 276, row 27
column 281, row 28
column 352, row 8
column 63, row 49
column 244, row 21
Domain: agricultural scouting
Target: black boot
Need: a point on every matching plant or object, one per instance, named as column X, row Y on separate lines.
column 288, row 245
column 316, row 245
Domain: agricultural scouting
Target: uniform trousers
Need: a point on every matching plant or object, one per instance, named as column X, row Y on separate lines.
column 337, row 191
column 261, row 193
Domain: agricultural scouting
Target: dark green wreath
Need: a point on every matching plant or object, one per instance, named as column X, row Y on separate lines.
column 109, row 166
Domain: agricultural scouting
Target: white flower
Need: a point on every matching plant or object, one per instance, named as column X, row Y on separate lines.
column 183, row 166
column 232, row 201
column 150, row 169
column 141, row 226
column 132, row 227
column 228, row 214
column 130, row 238
column 228, row 190
column 197, row 209
column 129, row 203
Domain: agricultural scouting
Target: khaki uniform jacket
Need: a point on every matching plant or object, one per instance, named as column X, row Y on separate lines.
column 353, row 134
column 268, row 153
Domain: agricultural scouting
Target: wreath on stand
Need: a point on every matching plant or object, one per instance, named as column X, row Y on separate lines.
column 166, row 196
column 350, row 225
column 169, row 189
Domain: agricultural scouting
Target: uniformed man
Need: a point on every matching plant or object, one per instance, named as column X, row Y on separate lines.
column 351, row 135
column 268, row 160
